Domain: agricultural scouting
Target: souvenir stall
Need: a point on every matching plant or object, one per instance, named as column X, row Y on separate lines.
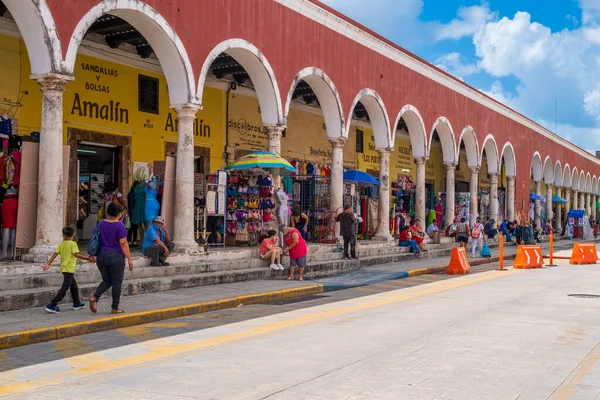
column 575, row 223
column 463, row 199
column 483, row 200
column 308, row 187
column 404, row 194
column 250, row 197
column 364, row 200
column 10, row 176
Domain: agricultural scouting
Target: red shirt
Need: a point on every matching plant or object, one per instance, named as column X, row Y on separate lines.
column 301, row 249
column 413, row 230
column 404, row 236
column 265, row 246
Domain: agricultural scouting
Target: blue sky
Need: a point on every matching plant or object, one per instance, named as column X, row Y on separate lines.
column 528, row 54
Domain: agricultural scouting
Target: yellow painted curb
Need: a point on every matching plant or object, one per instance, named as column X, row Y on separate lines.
column 31, row 336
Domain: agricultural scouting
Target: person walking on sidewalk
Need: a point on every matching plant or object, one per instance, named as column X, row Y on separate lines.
column 462, row 233
column 347, row 222
column 476, row 236
column 157, row 244
column 69, row 253
column 114, row 249
column 297, row 249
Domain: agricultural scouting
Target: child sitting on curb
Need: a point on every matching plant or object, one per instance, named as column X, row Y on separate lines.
column 69, row 252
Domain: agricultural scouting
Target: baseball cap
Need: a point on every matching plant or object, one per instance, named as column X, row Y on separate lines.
column 159, row 219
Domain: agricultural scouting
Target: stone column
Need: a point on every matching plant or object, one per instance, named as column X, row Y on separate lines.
column 568, row 198
column 549, row 212
column 420, row 206
column 383, row 225
column 50, row 211
column 510, row 198
column 450, row 195
column 588, row 201
column 594, row 210
column 274, row 133
column 494, row 197
column 473, row 205
column 183, row 224
column 537, row 205
column 575, row 200
column 582, row 201
column 337, row 180
column 558, row 211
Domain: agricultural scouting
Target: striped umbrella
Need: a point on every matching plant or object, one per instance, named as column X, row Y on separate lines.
column 262, row 159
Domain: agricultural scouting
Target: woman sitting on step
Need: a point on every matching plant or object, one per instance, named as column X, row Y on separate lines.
column 406, row 240
column 269, row 250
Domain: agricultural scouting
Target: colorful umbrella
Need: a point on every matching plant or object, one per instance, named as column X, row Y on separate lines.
column 262, row 159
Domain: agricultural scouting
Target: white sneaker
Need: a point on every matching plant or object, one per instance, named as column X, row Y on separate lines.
column 280, row 267
column 274, row 267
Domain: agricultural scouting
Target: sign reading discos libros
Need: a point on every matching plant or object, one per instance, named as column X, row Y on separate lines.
column 245, row 129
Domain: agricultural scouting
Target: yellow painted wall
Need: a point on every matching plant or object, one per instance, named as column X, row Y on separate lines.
column 402, row 163
column 98, row 82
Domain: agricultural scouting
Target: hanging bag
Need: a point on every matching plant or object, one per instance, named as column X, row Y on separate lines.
column 485, row 251
column 93, row 248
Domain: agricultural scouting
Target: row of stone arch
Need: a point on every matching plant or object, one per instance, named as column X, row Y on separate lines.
column 46, row 51
column 555, row 174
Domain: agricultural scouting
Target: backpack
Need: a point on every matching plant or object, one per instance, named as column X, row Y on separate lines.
column 93, row 248
column 476, row 231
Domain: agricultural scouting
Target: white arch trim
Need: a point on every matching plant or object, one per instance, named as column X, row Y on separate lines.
column 510, row 161
column 166, row 44
column 378, row 115
column 558, row 174
column 536, row 167
column 575, row 179
column 588, row 183
column 548, row 171
column 471, row 146
column 38, row 29
column 491, row 152
column 446, row 134
column 416, row 130
column 594, row 184
column 328, row 97
column 581, row 181
column 261, row 74
column 567, row 181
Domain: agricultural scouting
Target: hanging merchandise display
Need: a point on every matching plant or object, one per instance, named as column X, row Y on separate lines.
column 575, row 223
column 484, row 204
column 10, row 175
column 215, row 213
column 308, row 187
column 463, row 200
column 366, row 194
column 250, row 206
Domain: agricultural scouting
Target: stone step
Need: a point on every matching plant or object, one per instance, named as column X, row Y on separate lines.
column 39, row 297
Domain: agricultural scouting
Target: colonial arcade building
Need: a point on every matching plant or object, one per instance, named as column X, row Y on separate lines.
column 130, row 82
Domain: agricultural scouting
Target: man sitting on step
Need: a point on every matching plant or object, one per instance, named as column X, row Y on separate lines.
column 157, row 244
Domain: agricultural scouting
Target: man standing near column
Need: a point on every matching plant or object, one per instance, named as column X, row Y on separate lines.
column 347, row 221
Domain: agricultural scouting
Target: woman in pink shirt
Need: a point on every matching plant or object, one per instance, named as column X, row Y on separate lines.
column 269, row 249
column 297, row 248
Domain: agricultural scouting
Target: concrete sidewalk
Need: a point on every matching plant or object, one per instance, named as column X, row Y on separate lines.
column 519, row 334
column 35, row 325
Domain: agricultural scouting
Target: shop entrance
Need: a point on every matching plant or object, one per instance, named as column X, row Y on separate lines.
column 97, row 159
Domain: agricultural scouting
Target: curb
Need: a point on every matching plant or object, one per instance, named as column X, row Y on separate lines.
column 32, row 336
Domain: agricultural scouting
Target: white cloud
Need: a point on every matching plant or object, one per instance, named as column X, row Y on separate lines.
column 469, row 21
column 560, row 66
column 588, row 138
column 591, row 102
column 452, row 64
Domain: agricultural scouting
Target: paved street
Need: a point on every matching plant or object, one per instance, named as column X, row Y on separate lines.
column 490, row 335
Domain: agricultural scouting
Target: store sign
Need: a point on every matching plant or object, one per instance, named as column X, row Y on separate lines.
column 245, row 129
column 201, row 129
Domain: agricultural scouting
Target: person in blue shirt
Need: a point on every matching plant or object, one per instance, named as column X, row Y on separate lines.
column 506, row 229
column 157, row 244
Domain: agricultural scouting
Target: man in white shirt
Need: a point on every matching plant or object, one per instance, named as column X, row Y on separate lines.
column 434, row 232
